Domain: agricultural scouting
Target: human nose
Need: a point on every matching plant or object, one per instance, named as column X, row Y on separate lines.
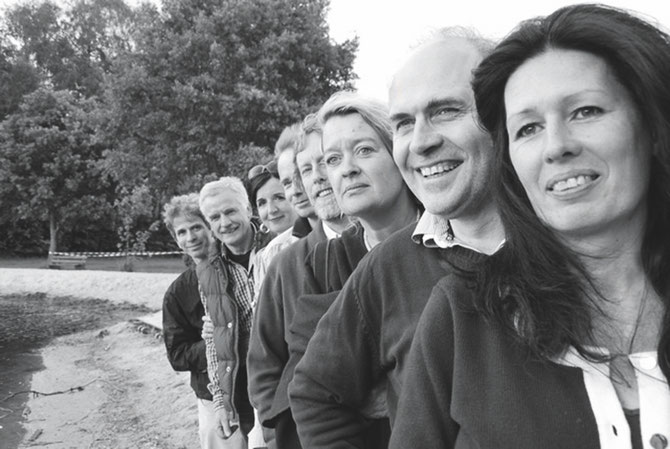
column 424, row 137
column 559, row 143
column 348, row 167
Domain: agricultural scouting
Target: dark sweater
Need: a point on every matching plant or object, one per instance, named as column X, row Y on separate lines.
column 328, row 267
column 470, row 385
column 268, row 350
column 364, row 337
column 182, row 326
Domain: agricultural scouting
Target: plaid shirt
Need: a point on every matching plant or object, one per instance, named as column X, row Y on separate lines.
column 243, row 297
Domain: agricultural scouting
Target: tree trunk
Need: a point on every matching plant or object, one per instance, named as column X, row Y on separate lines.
column 53, row 232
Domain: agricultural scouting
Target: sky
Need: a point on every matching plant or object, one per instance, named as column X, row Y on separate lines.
column 388, row 28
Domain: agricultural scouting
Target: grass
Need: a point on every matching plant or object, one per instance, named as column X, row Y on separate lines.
column 156, row 264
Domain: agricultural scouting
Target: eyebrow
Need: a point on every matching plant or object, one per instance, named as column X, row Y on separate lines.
column 353, row 142
column 566, row 99
column 432, row 104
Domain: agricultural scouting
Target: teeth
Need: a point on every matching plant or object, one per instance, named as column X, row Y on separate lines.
column 442, row 167
column 571, row 183
column 324, row 193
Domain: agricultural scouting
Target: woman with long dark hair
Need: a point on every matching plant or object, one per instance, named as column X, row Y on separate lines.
column 562, row 339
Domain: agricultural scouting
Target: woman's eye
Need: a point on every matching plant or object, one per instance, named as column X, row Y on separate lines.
column 332, row 160
column 526, row 130
column 365, row 150
column 587, row 111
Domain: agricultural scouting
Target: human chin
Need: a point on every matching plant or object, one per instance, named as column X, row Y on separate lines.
column 327, row 208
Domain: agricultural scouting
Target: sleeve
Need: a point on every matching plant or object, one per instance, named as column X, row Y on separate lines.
column 334, row 378
column 423, row 417
column 214, row 386
column 185, row 347
column 268, row 351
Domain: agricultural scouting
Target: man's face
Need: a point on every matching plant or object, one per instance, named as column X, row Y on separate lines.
column 313, row 174
column 443, row 154
column 292, row 184
column 193, row 236
column 229, row 219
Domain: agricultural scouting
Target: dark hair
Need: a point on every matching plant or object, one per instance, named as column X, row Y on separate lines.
column 535, row 286
column 262, row 174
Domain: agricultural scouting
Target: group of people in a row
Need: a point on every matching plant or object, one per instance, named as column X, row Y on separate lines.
column 484, row 263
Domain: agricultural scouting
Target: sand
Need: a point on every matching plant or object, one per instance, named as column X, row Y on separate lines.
column 130, row 397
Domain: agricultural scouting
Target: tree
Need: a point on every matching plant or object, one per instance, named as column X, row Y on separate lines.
column 209, row 80
column 72, row 49
column 135, row 213
column 50, row 162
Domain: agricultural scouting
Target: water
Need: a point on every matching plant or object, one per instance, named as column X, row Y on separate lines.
column 17, row 364
column 27, row 324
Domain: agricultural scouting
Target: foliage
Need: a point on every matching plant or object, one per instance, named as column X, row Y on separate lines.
column 49, row 162
column 211, row 82
column 105, row 104
column 71, row 49
column 134, row 208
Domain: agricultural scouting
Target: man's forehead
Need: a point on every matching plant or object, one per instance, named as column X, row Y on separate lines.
column 312, row 149
column 436, row 70
column 184, row 221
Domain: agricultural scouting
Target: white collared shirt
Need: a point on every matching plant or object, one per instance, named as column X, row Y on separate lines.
column 653, row 392
column 433, row 231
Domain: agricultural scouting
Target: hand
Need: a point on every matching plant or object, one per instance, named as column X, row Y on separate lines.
column 207, row 327
column 223, row 424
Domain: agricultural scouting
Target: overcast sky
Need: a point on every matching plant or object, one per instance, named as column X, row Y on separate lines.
column 387, row 28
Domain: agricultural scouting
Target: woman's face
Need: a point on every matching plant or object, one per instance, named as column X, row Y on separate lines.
column 273, row 208
column 360, row 168
column 577, row 143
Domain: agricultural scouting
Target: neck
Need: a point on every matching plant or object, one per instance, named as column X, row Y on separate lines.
column 245, row 245
column 338, row 224
column 199, row 260
column 380, row 224
column 313, row 221
column 483, row 231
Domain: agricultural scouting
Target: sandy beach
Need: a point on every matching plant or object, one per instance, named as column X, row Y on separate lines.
column 119, row 389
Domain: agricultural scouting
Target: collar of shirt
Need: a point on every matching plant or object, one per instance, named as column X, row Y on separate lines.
column 225, row 252
column 433, row 231
column 330, row 233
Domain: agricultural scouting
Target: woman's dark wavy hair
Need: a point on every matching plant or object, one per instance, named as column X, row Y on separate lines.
column 535, row 286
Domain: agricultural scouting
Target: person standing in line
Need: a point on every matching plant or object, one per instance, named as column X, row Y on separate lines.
column 445, row 158
column 183, row 310
column 268, row 352
column 562, row 338
column 294, row 192
column 227, row 291
column 357, row 150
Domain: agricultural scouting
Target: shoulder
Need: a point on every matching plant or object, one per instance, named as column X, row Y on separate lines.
column 185, row 280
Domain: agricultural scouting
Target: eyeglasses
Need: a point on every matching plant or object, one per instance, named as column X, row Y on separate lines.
column 269, row 168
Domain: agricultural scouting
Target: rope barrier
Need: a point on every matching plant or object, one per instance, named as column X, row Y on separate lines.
column 117, row 254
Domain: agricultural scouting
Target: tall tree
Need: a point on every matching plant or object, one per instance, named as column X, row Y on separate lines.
column 213, row 82
column 50, row 162
column 71, row 48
